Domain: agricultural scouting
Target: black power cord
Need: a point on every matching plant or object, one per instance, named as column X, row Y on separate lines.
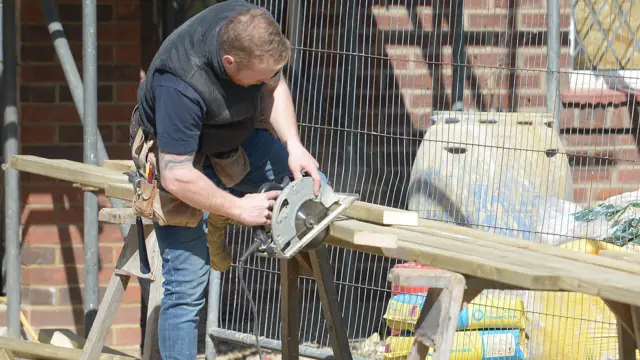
column 256, row 323
column 260, row 239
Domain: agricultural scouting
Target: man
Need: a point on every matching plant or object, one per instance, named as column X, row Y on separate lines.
column 198, row 126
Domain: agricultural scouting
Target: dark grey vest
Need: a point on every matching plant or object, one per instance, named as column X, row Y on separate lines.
column 191, row 53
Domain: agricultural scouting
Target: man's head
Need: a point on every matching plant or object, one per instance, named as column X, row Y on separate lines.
column 253, row 47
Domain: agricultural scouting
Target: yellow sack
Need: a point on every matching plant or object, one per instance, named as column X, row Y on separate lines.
column 572, row 326
column 489, row 310
column 467, row 345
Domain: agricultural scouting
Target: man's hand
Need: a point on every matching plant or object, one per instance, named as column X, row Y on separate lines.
column 256, row 209
column 300, row 160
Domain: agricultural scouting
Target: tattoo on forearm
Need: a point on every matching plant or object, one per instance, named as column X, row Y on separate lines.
column 170, row 162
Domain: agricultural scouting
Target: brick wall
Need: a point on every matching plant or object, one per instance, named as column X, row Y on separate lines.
column 52, row 216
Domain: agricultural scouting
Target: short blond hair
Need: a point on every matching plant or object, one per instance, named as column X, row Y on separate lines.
column 253, row 34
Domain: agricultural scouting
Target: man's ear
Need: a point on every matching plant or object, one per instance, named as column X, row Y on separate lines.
column 228, row 60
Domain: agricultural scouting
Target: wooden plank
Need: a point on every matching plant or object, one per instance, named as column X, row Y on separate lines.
column 120, row 216
column 68, row 339
column 363, row 234
column 151, row 349
column 6, row 354
column 37, row 351
column 119, row 165
column 629, row 256
column 381, row 215
column 104, row 319
column 507, row 264
column 119, row 191
column 450, row 231
column 129, row 260
column 490, row 268
column 72, row 171
column 323, row 275
column 289, row 308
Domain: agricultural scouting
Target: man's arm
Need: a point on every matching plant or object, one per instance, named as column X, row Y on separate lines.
column 179, row 115
column 179, row 177
column 280, row 110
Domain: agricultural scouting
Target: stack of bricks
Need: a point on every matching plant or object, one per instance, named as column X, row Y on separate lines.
column 52, row 214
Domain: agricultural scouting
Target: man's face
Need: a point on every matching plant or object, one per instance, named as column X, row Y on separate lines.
column 256, row 73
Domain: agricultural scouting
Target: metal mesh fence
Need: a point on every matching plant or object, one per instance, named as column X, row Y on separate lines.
column 374, row 83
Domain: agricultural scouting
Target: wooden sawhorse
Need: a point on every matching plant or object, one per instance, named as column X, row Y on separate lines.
column 448, row 291
column 128, row 265
column 314, row 263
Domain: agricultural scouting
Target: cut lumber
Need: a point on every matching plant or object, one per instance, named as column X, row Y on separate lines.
column 119, row 191
column 381, row 215
column 120, row 216
column 33, row 350
column 507, row 264
column 627, row 256
column 68, row 339
column 72, row 171
column 6, row 354
column 119, row 165
column 487, row 239
column 362, row 234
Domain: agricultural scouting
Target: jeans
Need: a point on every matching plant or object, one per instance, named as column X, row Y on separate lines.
column 185, row 255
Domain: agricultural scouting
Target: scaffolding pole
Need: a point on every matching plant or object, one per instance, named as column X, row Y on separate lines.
column 72, row 76
column 553, row 60
column 11, row 177
column 90, row 73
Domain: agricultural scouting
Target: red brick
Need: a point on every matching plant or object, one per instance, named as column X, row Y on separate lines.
column 38, row 255
column 58, row 316
column 406, row 81
column 127, row 92
column 421, row 101
column 119, row 33
column 628, row 176
column 604, row 194
column 128, row 12
column 127, row 335
column 591, row 140
column 74, row 134
column 129, row 315
column 392, row 18
column 627, row 140
column 485, row 20
column 631, row 156
column 568, row 118
column 50, row 114
column 581, row 176
column 73, row 12
column 75, row 255
column 520, row 4
column 52, row 234
column 31, row 12
column 70, row 274
column 476, row 4
column 128, row 53
column 420, row 121
column 42, row 74
column 39, row 215
column 37, row 134
column 582, row 195
column 121, row 134
column 115, row 113
column 38, row 94
column 39, row 296
column 63, row 196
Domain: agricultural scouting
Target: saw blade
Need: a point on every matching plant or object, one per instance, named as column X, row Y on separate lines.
column 309, row 214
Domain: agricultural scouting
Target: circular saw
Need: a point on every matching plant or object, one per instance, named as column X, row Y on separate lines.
column 300, row 220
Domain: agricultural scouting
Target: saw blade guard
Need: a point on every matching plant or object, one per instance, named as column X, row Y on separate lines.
column 300, row 219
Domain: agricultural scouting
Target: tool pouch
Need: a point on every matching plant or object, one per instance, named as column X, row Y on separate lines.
column 150, row 200
column 232, row 168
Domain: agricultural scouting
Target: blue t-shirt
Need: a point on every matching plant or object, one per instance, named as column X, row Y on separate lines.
column 179, row 114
